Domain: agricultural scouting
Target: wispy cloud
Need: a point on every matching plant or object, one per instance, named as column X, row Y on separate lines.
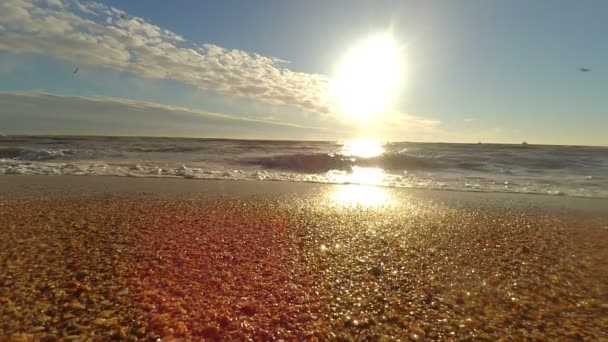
column 95, row 34
column 469, row 119
column 91, row 33
column 34, row 112
column 408, row 122
column 55, row 3
column 399, row 126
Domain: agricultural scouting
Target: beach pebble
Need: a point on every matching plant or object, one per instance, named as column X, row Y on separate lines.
column 211, row 331
column 181, row 328
column 123, row 292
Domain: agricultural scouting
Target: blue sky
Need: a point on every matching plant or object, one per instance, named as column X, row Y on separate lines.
column 495, row 71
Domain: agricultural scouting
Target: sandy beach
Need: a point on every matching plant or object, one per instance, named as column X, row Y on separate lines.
column 105, row 258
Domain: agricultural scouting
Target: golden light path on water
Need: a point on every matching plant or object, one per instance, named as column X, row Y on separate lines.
column 362, row 148
column 367, row 81
column 361, row 195
column 361, row 187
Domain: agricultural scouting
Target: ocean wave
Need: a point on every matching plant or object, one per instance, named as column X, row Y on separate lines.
column 315, row 163
column 444, row 181
column 576, row 171
column 10, row 152
column 34, row 154
column 148, row 149
column 309, row 163
column 403, row 160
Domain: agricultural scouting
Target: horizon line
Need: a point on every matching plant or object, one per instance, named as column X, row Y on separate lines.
column 285, row 140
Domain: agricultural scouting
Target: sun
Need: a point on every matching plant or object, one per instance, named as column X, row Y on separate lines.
column 368, row 77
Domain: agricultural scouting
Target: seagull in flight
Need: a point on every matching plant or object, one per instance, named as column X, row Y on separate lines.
column 584, row 69
column 75, row 71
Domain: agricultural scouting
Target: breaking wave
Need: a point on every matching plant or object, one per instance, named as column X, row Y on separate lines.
column 314, row 163
column 34, row 154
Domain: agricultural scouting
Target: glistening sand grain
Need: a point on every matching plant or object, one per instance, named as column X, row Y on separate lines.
column 297, row 267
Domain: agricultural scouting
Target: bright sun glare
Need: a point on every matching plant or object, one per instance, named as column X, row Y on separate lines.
column 369, row 77
column 364, row 196
column 361, row 175
column 362, row 148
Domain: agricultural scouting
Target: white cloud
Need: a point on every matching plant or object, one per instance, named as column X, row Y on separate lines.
column 114, row 39
column 55, row 3
column 396, row 126
column 469, row 119
column 90, row 33
column 34, row 112
column 45, row 113
column 403, row 121
column 84, row 9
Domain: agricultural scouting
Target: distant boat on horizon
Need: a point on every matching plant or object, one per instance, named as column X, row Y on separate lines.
column 524, row 143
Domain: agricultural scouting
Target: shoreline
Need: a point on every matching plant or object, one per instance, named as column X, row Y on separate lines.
column 16, row 186
column 119, row 258
column 459, row 190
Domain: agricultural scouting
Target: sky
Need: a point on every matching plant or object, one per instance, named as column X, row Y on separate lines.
column 490, row 71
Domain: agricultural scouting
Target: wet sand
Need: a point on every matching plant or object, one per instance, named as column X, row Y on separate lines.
column 140, row 259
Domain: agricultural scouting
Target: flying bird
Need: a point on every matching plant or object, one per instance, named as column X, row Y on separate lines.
column 584, row 69
column 75, row 71
column 123, row 17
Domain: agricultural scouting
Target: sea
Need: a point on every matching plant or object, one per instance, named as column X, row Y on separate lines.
column 523, row 168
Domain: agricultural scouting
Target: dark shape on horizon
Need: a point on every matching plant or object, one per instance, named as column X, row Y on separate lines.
column 584, row 69
column 75, row 71
column 123, row 17
column 524, row 143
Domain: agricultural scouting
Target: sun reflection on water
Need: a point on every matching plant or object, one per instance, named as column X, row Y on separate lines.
column 360, row 195
column 356, row 149
column 358, row 175
column 365, row 193
column 362, row 148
